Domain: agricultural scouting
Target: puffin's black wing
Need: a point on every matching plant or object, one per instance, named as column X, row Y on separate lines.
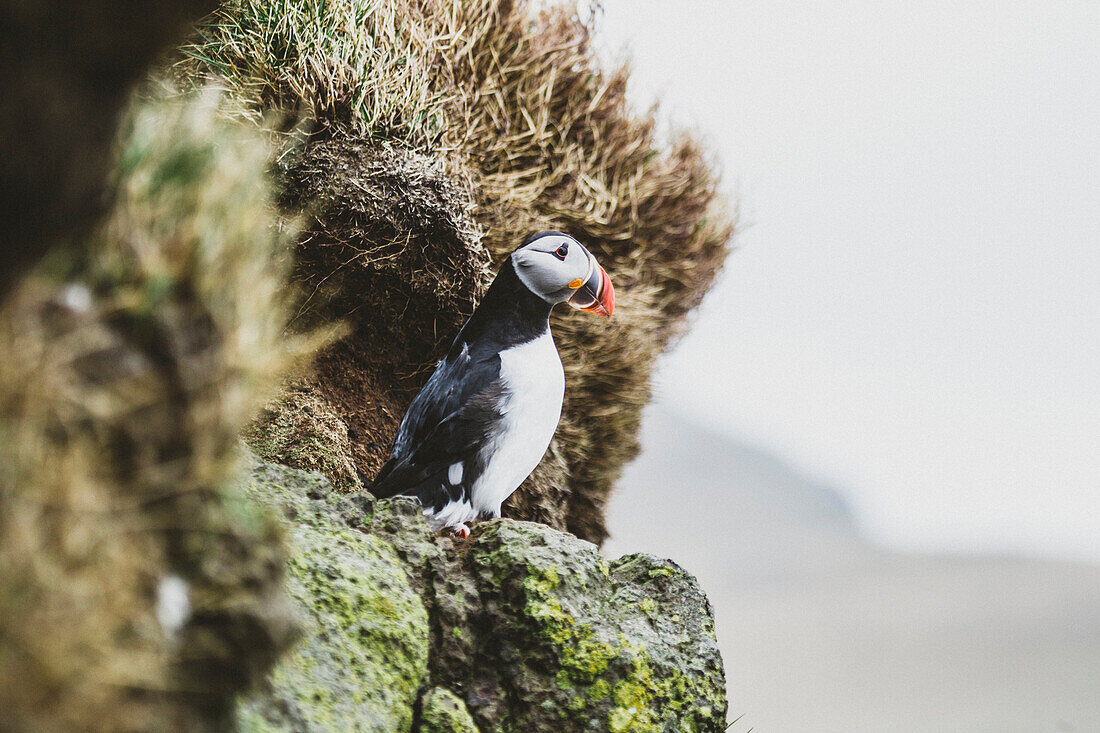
column 447, row 423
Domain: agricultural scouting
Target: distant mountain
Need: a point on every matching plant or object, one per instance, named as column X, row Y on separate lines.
column 822, row 631
column 727, row 510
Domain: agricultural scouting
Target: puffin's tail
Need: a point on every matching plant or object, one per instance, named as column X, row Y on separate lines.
column 367, row 481
column 377, row 485
column 395, row 477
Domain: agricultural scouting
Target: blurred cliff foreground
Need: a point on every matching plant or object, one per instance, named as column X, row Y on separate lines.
column 275, row 236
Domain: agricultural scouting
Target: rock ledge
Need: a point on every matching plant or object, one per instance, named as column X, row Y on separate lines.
column 521, row 627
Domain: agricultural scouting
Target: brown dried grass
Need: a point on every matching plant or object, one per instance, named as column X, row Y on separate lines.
column 462, row 127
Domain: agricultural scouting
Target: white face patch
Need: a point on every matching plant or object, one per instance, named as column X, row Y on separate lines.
column 454, row 474
column 547, row 274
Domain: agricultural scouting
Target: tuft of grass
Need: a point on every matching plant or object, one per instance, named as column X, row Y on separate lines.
column 446, row 131
column 361, row 64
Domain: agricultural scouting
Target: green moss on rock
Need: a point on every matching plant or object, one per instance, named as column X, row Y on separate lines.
column 581, row 645
column 442, row 712
column 363, row 655
column 520, row 628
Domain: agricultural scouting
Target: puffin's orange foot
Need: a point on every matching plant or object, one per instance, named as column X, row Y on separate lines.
column 461, row 530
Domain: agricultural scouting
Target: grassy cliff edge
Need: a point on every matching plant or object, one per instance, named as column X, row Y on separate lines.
column 441, row 134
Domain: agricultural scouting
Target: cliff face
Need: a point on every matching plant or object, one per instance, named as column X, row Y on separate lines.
column 521, row 627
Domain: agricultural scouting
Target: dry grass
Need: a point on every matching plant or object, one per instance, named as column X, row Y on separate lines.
column 355, row 64
column 445, row 132
column 126, row 374
column 298, row 428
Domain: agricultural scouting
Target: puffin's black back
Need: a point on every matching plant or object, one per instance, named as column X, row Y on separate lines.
column 507, row 316
column 452, row 417
column 448, row 420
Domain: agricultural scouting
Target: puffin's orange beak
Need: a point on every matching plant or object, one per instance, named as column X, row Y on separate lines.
column 595, row 295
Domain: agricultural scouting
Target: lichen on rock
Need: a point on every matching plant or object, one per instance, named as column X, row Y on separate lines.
column 521, row 627
column 364, row 652
column 442, row 712
column 575, row 644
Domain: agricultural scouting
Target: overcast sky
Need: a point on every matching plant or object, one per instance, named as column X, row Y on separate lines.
column 914, row 311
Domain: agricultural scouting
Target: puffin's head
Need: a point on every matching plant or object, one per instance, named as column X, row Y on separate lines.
column 558, row 269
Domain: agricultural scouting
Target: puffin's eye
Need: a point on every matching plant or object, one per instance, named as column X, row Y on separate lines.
column 561, row 252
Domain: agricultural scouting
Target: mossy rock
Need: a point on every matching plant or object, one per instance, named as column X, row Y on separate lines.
column 576, row 644
column 442, row 712
column 521, row 627
column 363, row 655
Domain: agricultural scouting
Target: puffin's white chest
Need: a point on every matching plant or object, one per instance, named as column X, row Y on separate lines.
column 534, row 385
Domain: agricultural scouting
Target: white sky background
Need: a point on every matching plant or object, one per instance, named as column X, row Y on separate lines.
column 914, row 310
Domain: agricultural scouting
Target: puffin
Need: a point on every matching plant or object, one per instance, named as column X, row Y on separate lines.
column 485, row 417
